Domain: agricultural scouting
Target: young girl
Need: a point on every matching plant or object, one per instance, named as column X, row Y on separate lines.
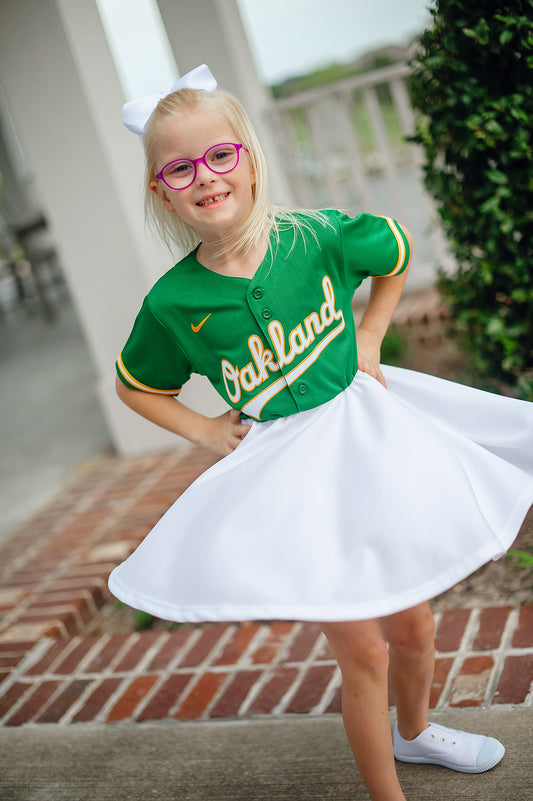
column 350, row 493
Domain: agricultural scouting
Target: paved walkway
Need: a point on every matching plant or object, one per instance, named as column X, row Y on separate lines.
column 289, row 759
column 53, row 580
column 47, row 386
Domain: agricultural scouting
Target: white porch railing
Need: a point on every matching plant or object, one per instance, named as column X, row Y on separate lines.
column 344, row 145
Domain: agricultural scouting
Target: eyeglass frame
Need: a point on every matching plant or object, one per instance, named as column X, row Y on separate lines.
column 201, row 160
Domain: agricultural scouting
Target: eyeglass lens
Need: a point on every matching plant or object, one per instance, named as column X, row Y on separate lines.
column 220, row 158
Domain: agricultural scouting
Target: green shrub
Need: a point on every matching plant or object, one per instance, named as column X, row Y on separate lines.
column 472, row 84
column 393, row 347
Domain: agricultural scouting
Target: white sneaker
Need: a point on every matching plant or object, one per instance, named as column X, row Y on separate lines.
column 457, row 750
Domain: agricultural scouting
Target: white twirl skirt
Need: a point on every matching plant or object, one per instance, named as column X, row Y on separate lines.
column 369, row 504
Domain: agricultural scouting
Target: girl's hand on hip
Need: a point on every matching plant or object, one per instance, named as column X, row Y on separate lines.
column 223, row 434
column 368, row 355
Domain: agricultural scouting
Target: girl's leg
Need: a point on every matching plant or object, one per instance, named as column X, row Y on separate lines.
column 410, row 635
column 361, row 653
column 411, row 653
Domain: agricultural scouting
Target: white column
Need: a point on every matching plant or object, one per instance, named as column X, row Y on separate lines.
column 211, row 32
column 64, row 95
column 17, row 194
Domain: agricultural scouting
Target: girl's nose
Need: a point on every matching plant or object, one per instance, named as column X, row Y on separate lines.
column 203, row 174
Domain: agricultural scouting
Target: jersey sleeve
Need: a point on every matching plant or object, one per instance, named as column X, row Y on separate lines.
column 152, row 359
column 372, row 246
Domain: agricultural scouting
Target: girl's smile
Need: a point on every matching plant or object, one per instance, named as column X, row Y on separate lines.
column 209, row 201
column 215, row 204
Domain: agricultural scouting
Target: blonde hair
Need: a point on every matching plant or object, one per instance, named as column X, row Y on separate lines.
column 264, row 217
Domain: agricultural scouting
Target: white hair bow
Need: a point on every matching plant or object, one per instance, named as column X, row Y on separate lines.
column 136, row 113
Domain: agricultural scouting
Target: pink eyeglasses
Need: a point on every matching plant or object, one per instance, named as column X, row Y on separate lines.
column 181, row 173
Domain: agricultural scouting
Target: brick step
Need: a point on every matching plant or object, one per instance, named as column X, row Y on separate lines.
column 54, row 570
column 484, row 656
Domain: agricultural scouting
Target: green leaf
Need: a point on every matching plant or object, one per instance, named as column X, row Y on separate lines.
column 143, row 621
column 497, row 177
column 505, row 37
column 495, row 327
column 490, row 205
column 523, row 558
column 507, row 21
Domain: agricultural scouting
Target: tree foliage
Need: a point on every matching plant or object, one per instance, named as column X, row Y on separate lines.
column 472, row 83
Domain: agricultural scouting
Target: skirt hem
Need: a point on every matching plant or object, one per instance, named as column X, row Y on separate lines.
column 334, row 612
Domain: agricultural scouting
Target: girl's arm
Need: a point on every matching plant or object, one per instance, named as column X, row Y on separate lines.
column 219, row 434
column 384, row 296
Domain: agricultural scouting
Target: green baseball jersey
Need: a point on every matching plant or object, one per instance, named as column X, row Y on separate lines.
column 278, row 343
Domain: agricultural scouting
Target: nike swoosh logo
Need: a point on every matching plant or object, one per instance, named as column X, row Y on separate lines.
column 196, row 328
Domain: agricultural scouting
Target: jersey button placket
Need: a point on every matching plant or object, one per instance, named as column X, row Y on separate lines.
column 263, row 315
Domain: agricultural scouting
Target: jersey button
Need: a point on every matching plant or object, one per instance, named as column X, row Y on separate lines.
column 257, row 293
column 303, row 389
column 267, row 314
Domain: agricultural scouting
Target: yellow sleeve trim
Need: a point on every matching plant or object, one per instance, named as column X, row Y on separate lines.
column 138, row 385
column 402, row 250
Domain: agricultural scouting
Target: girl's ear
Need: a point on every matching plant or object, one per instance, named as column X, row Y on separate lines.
column 154, row 186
